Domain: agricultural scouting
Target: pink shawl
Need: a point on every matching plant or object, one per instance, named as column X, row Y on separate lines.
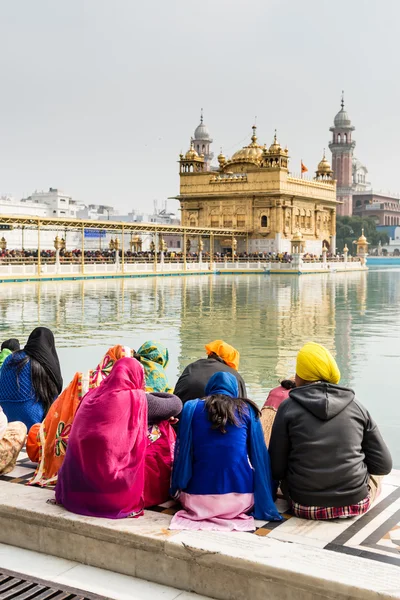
column 103, row 471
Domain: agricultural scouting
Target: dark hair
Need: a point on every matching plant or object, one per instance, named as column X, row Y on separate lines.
column 11, row 344
column 45, row 388
column 223, row 409
column 288, row 384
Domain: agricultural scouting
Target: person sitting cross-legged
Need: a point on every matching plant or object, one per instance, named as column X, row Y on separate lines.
column 221, row 471
column 325, row 448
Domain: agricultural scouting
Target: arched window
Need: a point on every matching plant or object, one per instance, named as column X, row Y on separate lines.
column 264, row 221
column 198, row 148
column 203, row 149
column 339, row 139
column 345, row 138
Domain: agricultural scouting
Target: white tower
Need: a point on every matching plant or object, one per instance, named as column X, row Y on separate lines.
column 202, row 141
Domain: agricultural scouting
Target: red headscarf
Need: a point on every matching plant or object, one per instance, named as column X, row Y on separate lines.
column 103, row 470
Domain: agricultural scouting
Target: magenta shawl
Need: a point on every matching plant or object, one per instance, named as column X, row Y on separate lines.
column 103, row 471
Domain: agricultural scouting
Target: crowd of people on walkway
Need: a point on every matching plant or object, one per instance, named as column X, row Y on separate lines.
column 118, row 439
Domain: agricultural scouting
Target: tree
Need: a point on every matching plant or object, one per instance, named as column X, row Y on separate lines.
column 348, row 230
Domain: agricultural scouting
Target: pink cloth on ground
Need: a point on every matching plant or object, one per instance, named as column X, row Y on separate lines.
column 276, row 397
column 219, row 512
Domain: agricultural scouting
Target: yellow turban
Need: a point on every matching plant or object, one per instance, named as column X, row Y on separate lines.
column 316, row 363
column 227, row 353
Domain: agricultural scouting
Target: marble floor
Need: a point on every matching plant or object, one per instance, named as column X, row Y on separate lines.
column 375, row 535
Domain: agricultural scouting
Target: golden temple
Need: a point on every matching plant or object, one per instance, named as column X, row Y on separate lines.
column 254, row 190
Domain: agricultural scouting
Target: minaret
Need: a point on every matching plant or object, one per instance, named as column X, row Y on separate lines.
column 202, row 141
column 342, row 148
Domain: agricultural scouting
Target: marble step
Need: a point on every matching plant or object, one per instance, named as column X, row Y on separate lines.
column 225, row 566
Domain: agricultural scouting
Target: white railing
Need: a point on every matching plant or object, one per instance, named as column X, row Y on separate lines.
column 71, row 269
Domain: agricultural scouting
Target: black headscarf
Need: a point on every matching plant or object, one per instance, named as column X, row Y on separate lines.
column 11, row 344
column 41, row 346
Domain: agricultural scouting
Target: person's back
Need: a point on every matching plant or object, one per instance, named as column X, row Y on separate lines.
column 334, row 445
column 221, row 357
column 221, row 468
column 220, row 461
column 30, row 379
column 18, row 398
column 325, row 448
column 192, row 383
column 279, row 394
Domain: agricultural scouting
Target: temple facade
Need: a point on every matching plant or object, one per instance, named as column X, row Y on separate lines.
column 253, row 191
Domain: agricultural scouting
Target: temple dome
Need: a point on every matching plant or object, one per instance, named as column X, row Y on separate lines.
column 202, row 133
column 324, row 165
column 275, row 147
column 342, row 119
column 252, row 153
column 191, row 154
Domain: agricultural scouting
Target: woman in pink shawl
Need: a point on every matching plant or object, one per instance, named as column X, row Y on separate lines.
column 103, row 471
column 117, row 456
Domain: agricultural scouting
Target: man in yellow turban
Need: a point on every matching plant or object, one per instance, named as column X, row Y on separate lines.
column 220, row 357
column 325, row 448
column 316, row 363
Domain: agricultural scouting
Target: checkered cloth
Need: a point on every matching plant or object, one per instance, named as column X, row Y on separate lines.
column 320, row 513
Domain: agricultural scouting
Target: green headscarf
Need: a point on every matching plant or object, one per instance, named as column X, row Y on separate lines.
column 154, row 357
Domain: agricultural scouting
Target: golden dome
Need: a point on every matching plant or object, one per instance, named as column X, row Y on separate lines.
column 362, row 239
column 297, row 237
column 191, row 154
column 251, row 153
column 275, row 147
column 324, row 166
column 221, row 158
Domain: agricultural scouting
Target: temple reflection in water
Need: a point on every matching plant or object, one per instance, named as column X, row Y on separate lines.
column 356, row 315
column 266, row 318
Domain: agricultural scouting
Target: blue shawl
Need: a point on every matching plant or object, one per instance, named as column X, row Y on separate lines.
column 264, row 506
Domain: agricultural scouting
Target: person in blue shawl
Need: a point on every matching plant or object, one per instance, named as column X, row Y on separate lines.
column 221, row 472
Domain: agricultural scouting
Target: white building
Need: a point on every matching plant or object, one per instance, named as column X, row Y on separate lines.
column 54, row 203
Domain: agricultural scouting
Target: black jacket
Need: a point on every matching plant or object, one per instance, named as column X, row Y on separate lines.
column 192, row 383
column 325, row 445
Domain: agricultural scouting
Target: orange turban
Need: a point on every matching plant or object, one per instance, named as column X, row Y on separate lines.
column 227, row 353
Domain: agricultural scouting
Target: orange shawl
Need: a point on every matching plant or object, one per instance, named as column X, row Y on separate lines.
column 47, row 441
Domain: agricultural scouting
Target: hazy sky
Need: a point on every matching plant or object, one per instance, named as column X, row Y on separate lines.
column 98, row 97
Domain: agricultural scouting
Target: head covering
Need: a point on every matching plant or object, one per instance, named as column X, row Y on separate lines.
column 154, row 357
column 227, row 353
column 11, row 344
column 222, row 383
column 41, row 346
column 316, row 363
column 103, row 471
column 47, row 441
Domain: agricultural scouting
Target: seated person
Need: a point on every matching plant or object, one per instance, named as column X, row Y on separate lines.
column 154, row 358
column 272, row 403
column 220, row 357
column 221, row 469
column 30, row 380
column 7, row 348
column 105, row 472
column 279, row 394
column 325, row 448
column 47, row 441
